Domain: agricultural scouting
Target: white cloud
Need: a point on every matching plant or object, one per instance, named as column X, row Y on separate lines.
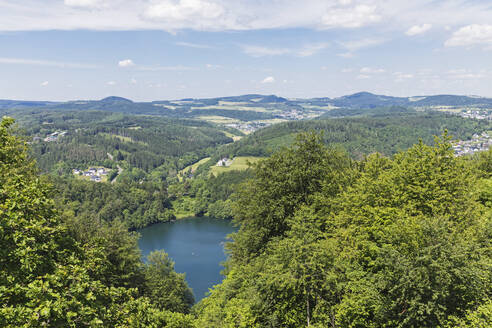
column 371, row 70
column 111, row 83
column 220, row 15
column 212, row 66
column 347, row 70
column 268, row 79
column 40, row 62
column 471, row 35
column 193, row 45
column 400, row 76
column 164, row 68
column 418, row 29
column 260, row 51
column 126, row 63
column 465, row 74
column 85, row 3
column 363, row 77
column 45, row 83
column 350, row 17
column 311, row 49
column 196, row 14
column 304, row 51
column 355, row 45
column 346, row 55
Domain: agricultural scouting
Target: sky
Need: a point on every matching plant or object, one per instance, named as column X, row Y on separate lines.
column 171, row 49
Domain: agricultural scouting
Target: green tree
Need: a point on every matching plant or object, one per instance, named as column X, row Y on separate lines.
column 166, row 288
column 47, row 278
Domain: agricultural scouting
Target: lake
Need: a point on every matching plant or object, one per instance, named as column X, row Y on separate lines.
column 196, row 245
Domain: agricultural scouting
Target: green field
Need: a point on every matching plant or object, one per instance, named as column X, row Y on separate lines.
column 192, row 167
column 239, row 163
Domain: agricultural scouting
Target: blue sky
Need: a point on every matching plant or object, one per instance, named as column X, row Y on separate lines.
column 170, row 49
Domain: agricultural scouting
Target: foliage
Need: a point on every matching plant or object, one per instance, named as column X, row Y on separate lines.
column 135, row 204
column 359, row 136
column 164, row 287
column 54, row 276
column 384, row 242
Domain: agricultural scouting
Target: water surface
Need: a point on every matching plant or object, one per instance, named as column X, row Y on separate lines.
column 196, row 245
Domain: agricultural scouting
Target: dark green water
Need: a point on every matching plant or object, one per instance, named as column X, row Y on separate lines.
column 196, row 245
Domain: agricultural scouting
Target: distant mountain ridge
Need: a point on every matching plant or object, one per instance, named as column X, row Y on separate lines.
column 256, row 107
column 356, row 100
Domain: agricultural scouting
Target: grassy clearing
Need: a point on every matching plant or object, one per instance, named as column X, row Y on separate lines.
column 123, row 138
column 239, row 164
column 194, row 166
column 327, row 108
column 233, row 136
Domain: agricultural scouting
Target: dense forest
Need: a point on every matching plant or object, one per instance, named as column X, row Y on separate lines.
column 145, row 143
column 60, row 270
column 146, row 155
column 324, row 241
column 394, row 130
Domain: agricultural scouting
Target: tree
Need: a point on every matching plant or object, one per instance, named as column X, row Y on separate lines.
column 166, row 288
column 47, row 278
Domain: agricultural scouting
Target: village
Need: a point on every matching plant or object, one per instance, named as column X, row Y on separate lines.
column 94, row 174
column 477, row 114
column 54, row 136
column 479, row 142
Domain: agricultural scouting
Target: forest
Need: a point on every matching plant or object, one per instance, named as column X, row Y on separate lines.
column 324, row 240
column 146, row 155
column 390, row 131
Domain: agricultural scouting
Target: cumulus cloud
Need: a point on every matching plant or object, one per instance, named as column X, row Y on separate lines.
column 197, row 14
column 45, row 83
column 219, row 15
column 268, row 79
column 350, row 17
column 126, row 63
column 418, row 29
column 471, row 35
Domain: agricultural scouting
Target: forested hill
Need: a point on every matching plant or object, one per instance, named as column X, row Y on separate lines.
column 253, row 106
column 324, row 241
column 106, row 139
column 360, row 135
column 356, row 100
